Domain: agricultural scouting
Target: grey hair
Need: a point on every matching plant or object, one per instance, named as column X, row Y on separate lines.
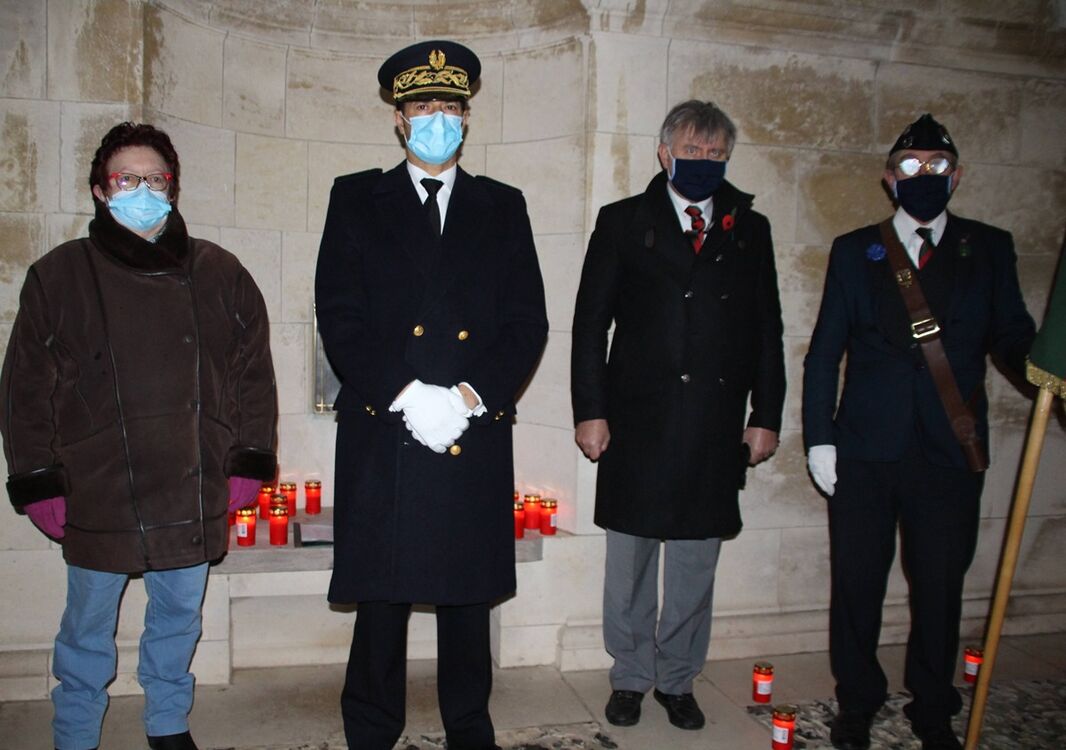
column 704, row 119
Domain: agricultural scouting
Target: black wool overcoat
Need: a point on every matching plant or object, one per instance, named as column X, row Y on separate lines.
column 411, row 525
column 695, row 336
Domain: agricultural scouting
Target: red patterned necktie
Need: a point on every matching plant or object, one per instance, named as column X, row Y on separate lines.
column 926, row 250
column 696, row 233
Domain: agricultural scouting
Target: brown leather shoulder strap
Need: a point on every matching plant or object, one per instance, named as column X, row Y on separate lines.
column 926, row 331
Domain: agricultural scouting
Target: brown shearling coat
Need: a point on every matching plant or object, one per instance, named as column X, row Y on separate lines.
column 137, row 379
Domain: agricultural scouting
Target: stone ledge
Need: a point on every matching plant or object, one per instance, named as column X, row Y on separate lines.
column 266, row 558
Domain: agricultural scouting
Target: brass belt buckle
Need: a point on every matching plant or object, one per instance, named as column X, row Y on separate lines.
column 922, row 328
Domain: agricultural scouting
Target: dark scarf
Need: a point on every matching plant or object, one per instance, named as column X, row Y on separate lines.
column 168, row 254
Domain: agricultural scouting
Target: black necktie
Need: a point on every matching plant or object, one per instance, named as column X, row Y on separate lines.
column 431, row 208
column 926, row 250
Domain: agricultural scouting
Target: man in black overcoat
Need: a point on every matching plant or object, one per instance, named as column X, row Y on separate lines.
column 886, row 454
column 685, row 273
column 431, row 307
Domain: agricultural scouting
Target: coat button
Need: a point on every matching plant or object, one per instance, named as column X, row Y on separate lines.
column 499, row 415
column 455, row 450
column 418, row 331
column 718, row 258
column 187, row 338
column 725, row 296
column 196, row 540
column 464, row 335
column 686, row 378
column 370, row 410
column 721, row 381
column 689, row 294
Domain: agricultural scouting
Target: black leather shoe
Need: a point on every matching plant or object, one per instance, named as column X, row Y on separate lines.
column 938, row 737
column 623, row 708
column 682, row 710
column 851, row 730
column 181, row 741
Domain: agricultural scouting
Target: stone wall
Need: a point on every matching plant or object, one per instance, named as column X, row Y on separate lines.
column 268, row 101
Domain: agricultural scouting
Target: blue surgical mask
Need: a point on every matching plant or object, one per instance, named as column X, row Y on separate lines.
column 696, row 179
column 139, row 209
column 435, row 138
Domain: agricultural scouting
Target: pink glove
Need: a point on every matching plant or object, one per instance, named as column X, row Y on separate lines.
column 49, row 515
column 242, row 492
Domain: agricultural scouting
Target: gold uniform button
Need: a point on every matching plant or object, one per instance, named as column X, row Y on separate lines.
column 464, row 335
column 455, row 450
column 418, row 331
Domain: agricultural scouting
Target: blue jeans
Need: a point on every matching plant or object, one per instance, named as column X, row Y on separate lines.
column 85, row 653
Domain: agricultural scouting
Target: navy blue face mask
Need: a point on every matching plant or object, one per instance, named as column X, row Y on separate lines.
column 924, row 197
column 696, row 179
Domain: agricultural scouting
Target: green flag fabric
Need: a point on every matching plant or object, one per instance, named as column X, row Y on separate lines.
column 1047, row 359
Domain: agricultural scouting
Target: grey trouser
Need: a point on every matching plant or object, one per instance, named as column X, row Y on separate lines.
column 671, row 655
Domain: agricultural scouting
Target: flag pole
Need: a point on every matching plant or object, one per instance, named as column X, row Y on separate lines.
column 1022, row 495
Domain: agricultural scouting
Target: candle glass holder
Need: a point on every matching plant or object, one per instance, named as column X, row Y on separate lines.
column 312, row 497
column 519, row 520
column 762, row 682
column 279, row 525
column 784, row 727
column 288, row 489
column 246, row 526
column 548, row 516
column 265, row 493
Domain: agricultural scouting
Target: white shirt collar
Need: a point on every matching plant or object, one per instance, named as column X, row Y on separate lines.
column 681, row 203
column 905, row 224
column 417, row 174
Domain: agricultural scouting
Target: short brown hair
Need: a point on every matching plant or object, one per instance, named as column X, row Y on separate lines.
column 128, row 134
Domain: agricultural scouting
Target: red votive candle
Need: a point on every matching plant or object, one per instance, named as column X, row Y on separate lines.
column 971, row 661
column 784, row 727
column 288, row 489
column 532, row 511
column 762, row 682
column 246, row 526
column 548, row 510
column 279, row 525
column 265, row 493
column 312, row 497
column 519, row 520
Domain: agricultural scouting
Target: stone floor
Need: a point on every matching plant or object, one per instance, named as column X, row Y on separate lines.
column 294, row 707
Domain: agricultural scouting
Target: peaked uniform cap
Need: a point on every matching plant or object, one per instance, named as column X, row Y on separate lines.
column 433, row 67
column 924, row 134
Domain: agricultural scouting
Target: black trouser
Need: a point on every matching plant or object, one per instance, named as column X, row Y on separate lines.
column 372, row 703
column 937, row 510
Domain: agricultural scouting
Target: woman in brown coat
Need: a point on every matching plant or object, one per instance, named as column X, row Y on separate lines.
column 138, row 405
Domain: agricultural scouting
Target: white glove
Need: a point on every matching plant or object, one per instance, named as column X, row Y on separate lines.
column 433, row 414
column 822, row 463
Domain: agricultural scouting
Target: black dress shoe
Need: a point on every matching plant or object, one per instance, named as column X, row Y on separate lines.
column 623, row 708
column 682, row 710
column 181, row 741
column 938, row 737
column 851, row 730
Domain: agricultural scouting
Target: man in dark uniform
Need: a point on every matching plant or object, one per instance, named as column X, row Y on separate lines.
column 431, row 307
column 685, row 272
column 888, row 454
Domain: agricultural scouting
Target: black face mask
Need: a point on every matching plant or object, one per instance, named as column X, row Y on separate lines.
column 697, row 179
column 925, row 196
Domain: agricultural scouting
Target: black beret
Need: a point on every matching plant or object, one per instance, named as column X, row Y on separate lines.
column 434, row 67
column 924, row 134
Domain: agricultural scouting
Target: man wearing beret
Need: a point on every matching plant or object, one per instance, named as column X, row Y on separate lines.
column 431, row 307
column 685, row 273
column 916, row 303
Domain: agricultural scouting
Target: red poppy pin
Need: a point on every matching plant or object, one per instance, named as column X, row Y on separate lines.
column 729, row 220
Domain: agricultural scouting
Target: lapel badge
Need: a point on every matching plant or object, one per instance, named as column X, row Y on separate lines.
column 904, row 277
column 876, row 252
column 964, row 247
column 729, row 220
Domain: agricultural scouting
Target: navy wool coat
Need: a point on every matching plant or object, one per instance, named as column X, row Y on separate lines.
column 889, row 398
column 411, row 525
column 694, row 337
